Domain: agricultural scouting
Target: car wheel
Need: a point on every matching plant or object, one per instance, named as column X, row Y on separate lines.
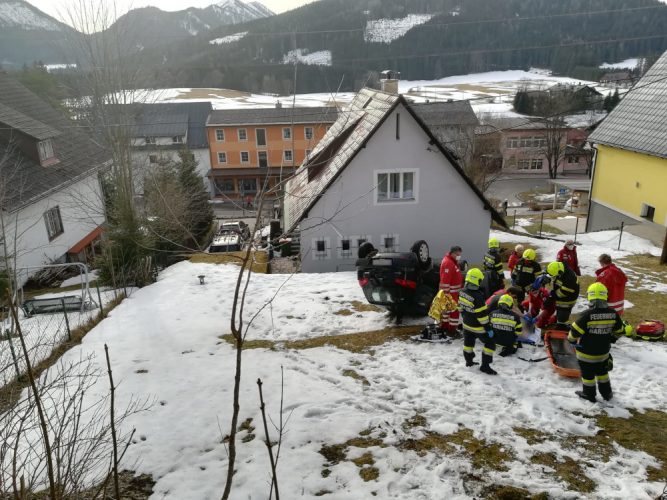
column 420, row 249
column 365, row 250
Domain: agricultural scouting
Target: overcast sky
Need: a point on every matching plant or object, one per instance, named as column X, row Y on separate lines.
column 54, row 7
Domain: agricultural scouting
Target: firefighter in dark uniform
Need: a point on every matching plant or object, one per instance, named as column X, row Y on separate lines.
column 565, row 290
column 493, row 268
column 475, row 316
column 592, row 334
column 526, row 271
column 506, row 325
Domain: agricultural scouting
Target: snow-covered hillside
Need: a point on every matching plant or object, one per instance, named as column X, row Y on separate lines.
column 628, row 63
column 319, row 58
column 24, row 16
column 228, row 39
column 237, row 11
column 388, row 30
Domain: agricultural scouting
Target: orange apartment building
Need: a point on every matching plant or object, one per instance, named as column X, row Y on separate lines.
column 253, row 149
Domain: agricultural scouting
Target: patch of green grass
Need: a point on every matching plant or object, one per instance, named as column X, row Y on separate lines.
column 365, row 459
column 418, row 420
column 369, row 473
column 343, row 312
column 334, row 453
column 568, row 470
column 353, row 342
column 504, row 492
column 534, row 228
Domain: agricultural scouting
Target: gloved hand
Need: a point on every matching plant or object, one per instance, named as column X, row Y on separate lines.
column 490, row 333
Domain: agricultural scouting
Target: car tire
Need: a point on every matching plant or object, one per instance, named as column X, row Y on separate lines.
column 421, row 250
column 365, row 250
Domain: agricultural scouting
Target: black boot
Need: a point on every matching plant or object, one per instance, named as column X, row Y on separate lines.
column 486, row 365
column 469, row 358
column 586, row 395
column 605, row 391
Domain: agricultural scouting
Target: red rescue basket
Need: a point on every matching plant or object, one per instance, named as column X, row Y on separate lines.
column 651, row 330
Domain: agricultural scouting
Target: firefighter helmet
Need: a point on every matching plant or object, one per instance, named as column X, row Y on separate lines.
column 506, row 300
column 529, row 254
column 556, row 269
column 474, row 276
column 494, row 243
column 597, row 291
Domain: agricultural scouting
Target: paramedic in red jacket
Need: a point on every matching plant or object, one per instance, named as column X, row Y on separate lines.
column 568, row 255
column 451, row 281
column 614, row 279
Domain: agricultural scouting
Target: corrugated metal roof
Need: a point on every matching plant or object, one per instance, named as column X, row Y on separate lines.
column 78, row 155
column 639, row 122
column 272, row 116
column 156, row 124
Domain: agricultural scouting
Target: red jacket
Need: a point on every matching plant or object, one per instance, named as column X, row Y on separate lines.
column 570, row 258
column 511, row 262
column 451, row 278
column 614, row 279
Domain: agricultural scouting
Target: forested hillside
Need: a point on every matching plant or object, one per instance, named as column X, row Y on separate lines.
column 448, row 37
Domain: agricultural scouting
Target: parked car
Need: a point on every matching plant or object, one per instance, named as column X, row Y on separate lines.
column 237, row 226
column 403, row 282
column 229, row 241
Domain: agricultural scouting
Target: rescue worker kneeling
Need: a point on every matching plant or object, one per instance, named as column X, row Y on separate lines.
column 506, row 325
column 475, row 316
column 592, row 335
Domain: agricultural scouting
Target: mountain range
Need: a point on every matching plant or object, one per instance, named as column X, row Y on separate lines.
column 28, row 34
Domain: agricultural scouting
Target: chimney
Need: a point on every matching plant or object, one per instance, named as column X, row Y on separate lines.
column 279, row 104
column 389, row 81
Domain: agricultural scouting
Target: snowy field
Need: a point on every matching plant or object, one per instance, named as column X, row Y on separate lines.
column 165, row 345
column 44, row 332
column 491, row 93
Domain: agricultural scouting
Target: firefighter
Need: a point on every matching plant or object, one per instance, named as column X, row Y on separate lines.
column 526, row 271
column 565, row 290
column 568, row 255
column 592, row 334
column 493, row 268
column 614, row 279
column 451, row 280
column 506, row 325
column 475, row 316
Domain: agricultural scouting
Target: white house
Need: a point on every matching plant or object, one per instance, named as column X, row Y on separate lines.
column 380, row 175
column 50, row 192
column 161, row 130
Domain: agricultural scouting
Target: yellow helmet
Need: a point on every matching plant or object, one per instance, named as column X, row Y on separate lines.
column 556, row 268
column 597, row 291
column 474, row 276
column 529, row 254
column 627, row 329
column 494, row 243
column 506, row 300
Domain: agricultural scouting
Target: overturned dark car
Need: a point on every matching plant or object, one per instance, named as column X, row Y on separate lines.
column 403, row 282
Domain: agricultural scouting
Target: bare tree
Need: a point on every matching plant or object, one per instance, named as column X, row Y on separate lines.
column 554, row 144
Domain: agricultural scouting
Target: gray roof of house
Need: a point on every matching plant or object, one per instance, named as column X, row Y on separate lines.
column 25, row 179
column 29, row 126
column 507, row 124
column 169, row 119
column 272, row 116
column 346, row 137
column 441, row 114
column 639, row 122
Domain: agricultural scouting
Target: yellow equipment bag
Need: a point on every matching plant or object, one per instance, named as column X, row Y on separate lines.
column 443, row 303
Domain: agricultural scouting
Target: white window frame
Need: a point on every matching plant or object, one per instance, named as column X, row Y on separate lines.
column 287, row 133
column 536, row 164
column 45, row 150
column 54, row 223
column 402, row 171
column 222, row 157
column 291, row 156
column 177, row 139
column 327, row 248
column 219, row 135
column 245, row 133
column 395, row 248
column 305, row 133
column 355, row 240
column 247, row 153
